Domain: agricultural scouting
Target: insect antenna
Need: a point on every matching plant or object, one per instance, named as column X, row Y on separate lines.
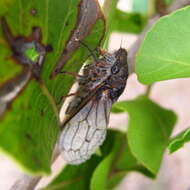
column 90, row 50
column 121, row 43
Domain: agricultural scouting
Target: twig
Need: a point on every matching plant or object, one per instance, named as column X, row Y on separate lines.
column 27, row 182
column 178, row 4
column 148, row 90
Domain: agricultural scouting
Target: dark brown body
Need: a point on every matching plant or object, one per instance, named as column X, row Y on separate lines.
column 84, row 128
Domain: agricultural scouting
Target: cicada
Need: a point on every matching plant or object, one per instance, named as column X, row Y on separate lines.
column 101, row 84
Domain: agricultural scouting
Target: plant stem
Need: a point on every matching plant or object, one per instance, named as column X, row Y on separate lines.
column 148, row 90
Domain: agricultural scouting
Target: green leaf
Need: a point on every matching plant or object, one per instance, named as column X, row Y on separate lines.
column 74, row 177
column 179, row 140
column 121, row 21
column 99, row 178
column 164, row 54
column 128, row 22
column 117, row 162
column 29, row 128
column 115, row 179
column 127, row 161
column 149, row 129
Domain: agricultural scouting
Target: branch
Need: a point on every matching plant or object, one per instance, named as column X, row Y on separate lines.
column 27, row 182
column 178, row 4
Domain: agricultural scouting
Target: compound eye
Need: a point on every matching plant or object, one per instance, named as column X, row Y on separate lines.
column 114, row 69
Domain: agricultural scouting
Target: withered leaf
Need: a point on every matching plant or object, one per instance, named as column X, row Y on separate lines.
column 19, row 46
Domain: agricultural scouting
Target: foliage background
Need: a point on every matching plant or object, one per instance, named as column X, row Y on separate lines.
column 165, row 93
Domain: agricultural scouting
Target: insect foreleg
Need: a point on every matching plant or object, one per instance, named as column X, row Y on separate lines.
column 72, row 74
column 101, row 51
column 96, row 59
column 66, row 96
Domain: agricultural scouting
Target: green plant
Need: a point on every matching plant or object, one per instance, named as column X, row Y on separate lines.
column 29, row 120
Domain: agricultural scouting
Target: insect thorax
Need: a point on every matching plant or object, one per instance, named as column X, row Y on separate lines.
column 94, row 74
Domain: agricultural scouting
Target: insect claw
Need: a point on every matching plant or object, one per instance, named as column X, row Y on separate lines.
column 101, row 51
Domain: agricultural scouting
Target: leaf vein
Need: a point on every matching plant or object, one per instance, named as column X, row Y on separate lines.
column 168, row 61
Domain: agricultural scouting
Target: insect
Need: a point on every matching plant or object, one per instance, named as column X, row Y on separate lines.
column 101, row 84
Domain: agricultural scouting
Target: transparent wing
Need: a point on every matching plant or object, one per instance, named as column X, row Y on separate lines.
column 86, row 131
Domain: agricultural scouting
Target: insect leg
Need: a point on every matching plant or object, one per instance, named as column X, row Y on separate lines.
column 66, row 96
column 71, row 73
column 36, row 34
column 96, row 59
column 101, row 51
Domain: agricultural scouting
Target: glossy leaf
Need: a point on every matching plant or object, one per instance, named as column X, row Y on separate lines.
column 149, row 129
column 179, row 140
column 164, row 54
column 29, row 128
